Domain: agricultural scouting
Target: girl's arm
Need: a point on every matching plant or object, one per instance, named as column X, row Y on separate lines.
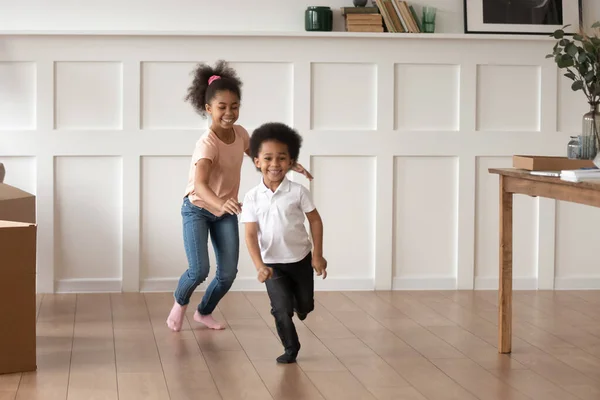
column 203, row 168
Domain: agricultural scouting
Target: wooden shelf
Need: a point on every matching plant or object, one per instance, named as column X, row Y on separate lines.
column 283, row 34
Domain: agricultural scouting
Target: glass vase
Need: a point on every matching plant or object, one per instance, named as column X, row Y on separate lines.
column 589, row 133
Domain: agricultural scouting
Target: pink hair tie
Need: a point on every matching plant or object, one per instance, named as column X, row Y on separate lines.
column 213, row 78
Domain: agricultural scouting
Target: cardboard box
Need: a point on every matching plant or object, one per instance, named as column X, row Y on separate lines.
column 17, row 280
column 16, row 204
column 549, row 163
column 17, row 297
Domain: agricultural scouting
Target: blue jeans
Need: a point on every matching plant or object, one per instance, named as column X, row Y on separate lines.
column 224, row 234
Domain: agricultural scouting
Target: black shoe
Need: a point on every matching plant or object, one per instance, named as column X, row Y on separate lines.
column 301, row 316
column 286, row 358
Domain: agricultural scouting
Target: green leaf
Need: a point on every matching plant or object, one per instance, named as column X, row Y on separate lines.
column 577, row 85
column 571, row 50
column 596, row 24
column 582, row 57
column 578, row 37
column 570, row 75
column 559, row 34
column 595, row 41
column 589, row 47
column 590, row 76
column 564, row 42
column 567, row 60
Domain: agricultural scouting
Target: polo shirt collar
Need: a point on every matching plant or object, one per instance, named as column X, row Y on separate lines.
column 284, row 186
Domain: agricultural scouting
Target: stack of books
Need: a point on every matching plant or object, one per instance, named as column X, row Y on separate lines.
column 362, row 19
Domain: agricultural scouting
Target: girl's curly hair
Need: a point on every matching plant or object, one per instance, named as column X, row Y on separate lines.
column 201, row 92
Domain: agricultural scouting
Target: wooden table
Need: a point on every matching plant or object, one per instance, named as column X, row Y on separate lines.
column 516, row 181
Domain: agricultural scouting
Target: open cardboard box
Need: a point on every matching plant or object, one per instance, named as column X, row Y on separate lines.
column 17, row 280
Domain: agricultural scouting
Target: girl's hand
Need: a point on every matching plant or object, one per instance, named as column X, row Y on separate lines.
column 320, row 265
column 231, row 206
column 300, row 169
column 264, row 273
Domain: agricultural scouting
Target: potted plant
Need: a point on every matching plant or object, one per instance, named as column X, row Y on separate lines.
column 579, row 55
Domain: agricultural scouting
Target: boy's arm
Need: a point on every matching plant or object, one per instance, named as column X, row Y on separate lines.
column 264, row 272
column 316, row 230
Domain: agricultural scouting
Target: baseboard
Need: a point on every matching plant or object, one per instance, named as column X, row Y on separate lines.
column 251, row 284
column 87, row 285
column 577, row 283
column 333, row 284
column 491, row 283
column 424, row 283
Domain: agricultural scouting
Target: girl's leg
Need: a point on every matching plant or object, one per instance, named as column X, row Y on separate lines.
column 224, row 233
column 196, row 224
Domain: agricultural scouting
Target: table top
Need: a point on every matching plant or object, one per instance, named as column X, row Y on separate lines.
column 524, row 174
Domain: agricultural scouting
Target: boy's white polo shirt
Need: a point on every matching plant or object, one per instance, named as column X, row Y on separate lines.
column 280, row 216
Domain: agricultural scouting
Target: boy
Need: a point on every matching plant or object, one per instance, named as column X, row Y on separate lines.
column 276, row 237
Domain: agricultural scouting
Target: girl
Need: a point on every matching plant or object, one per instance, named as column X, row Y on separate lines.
column 210, row 203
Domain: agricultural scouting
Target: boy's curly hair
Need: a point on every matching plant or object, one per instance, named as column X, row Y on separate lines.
column 201, row 92
column 279, row 132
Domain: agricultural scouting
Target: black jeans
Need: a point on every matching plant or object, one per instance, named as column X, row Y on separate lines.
column 291, row 288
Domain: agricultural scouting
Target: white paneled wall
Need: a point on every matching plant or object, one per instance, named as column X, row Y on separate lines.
column 399, row 132
column 344, row 194
column 87, row 223
column 425, row 219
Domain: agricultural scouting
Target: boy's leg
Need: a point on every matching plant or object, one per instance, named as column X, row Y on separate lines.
column 303, row 286
column 279, row 288
column 195, row 240
column 224, row 233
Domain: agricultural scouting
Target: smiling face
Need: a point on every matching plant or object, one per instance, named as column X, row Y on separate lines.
column 274, row 162
column 224, row 109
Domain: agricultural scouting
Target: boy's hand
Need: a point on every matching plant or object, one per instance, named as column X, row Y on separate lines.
column 320, row 265
column 264, row 273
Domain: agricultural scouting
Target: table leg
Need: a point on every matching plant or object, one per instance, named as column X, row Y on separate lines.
column 505, row 276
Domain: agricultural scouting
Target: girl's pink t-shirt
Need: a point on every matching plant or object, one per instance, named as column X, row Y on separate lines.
column 226, row 166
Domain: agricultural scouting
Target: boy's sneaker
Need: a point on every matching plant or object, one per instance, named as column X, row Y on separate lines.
column 301, row 316
column 288, row 357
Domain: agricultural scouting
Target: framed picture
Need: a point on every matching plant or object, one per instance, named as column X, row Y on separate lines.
column 522, row 16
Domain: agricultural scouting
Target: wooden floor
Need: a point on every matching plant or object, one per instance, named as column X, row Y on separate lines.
column 356, row 345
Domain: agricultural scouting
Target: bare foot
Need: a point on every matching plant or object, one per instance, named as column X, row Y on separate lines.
column 175, row 319
column 208, row 320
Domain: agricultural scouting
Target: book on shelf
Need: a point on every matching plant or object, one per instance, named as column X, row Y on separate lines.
column 398, row 16
column 359, row 10
column 364, row 18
